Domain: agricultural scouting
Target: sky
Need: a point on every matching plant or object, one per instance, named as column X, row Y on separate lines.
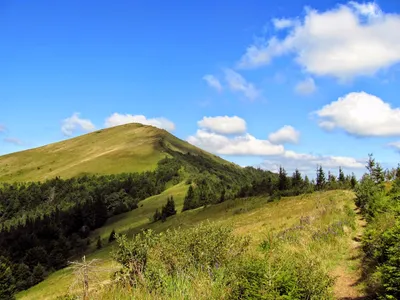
column 293, row 83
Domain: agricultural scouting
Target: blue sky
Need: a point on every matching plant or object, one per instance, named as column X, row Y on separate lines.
column 295, row 83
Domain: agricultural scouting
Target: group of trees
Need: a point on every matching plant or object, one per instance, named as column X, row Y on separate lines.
column 377, row 196
column 166, row 211
column 44, row 224
column 255, row 182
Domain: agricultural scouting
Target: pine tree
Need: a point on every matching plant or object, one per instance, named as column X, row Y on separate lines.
column 38, row 274
column 99, row 244
column 22, row 276
column 156, row 216
column 188, row 203
column 112, row 236
column 297, row 180
column 341, row 176
column 7, row 280
column 353, row 181
column 321, row 181
column 283, row 182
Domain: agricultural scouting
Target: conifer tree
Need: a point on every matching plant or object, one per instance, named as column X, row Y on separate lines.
column 99, row 244
column 156, row 216
column 341, row 177
column 38, row 274
column 188, row 203
column 321, row 181
column 112, row 236
column 297, row 180
column 283, row 182
column 7, row 280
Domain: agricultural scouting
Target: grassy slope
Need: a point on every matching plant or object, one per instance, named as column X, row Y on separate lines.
column 253, row 216
column 125, row 148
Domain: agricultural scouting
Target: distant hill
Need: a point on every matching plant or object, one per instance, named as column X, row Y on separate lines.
column 126, row 148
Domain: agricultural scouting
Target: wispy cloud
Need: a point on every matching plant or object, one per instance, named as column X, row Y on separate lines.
column 14, row 141
column 305, row 87
column 213, row 82
column 238, row 83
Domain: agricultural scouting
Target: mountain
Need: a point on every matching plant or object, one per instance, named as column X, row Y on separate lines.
column 121, row 149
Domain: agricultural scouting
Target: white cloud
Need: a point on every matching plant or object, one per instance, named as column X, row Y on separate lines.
column 120, row 119
column 238, row 83
column 223, row 124
column 344, row 42
column 240, row 145
column 286, row 134
column 213, row 82
column 283, row 23
column 75, row 123
column 305, row 87
column 14, row 141
column 361, row 114
column 3, row 128
column 307, row 163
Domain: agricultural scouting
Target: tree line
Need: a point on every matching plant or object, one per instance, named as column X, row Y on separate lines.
column 205, row 191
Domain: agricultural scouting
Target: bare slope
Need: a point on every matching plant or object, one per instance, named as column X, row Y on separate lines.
column 125, row 148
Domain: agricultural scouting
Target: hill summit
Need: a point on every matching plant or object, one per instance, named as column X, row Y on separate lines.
column 122, row 149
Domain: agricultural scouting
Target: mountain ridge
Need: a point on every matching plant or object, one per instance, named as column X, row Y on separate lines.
column 125, row 148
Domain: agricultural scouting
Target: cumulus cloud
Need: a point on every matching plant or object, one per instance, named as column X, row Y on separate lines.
column 346, row 41
column 213, row 82
column 14, row 141
column 223, row 124
column 75, row 123
column 307, row 163
column 120, row 119
column 305, row 87
column 238, row 83
column 361, row 114
column 286, row 134
column 239, row 145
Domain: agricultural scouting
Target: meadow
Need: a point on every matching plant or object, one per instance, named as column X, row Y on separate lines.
column 287, row 227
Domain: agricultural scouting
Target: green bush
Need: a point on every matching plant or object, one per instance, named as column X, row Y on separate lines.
column 288, row 277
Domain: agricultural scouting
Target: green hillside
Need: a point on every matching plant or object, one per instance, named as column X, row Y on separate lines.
column 126, row 148
column 254, row 217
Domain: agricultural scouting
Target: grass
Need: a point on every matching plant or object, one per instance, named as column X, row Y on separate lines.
column 254, row 217
column 126, row 148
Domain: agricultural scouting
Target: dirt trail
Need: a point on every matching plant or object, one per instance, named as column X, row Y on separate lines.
column 347, row 279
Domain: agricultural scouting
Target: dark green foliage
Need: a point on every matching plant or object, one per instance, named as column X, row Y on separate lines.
column 7, row 281
column 99, row 244
column 189, row 202
column 321, row 180
column 112, row 236
column 156, row 216
column 341, row 177
column 38, row 274
column 167, row 210
column 381, row 241
column 22, row 277
column 283, row 180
